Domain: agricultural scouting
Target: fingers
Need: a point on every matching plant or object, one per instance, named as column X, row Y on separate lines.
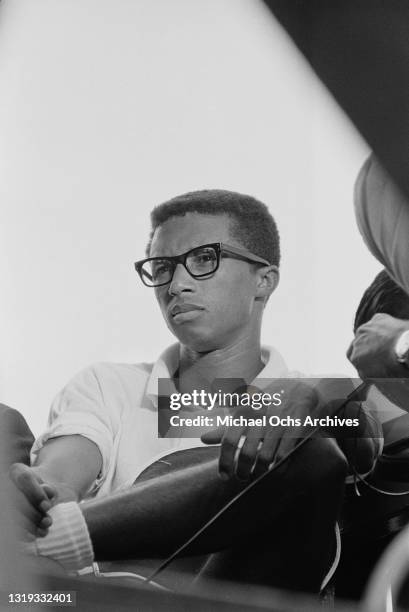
column 31, row 500
column 213, row 437
column 280, row 440
column 248, row 454
column 251, row 449
column 228, row 450
column 267, row 454
column 51, row 493
column 29, row 484
column 28, row 518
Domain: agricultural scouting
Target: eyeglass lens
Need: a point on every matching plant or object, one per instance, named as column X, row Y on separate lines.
column 198, row 262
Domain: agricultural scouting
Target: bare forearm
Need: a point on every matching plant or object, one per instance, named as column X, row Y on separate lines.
column 65, row 491
column 70, row 464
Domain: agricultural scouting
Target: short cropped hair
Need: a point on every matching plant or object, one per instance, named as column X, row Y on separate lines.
column 251, row 222
column 383, row 295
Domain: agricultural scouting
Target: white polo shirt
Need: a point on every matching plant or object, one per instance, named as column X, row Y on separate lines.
column 115, row 406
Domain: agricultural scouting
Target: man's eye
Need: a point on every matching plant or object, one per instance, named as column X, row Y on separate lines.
column 160, row 269
column 203, row 257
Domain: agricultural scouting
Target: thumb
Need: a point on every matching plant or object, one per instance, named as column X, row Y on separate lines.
column 50, row 491
column 213, row 437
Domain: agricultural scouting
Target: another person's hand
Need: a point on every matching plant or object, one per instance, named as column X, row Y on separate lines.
column 372, row 350
column 265, row 444
column 31, row 498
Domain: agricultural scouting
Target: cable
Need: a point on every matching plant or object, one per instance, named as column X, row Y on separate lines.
column 337, row 557
column 94, row 569
column 100, row 574
column 358, row 477
column 356, row 393
column 371, row 486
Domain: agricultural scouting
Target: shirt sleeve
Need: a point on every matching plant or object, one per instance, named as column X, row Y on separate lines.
column 382, row 214
column 80, row 409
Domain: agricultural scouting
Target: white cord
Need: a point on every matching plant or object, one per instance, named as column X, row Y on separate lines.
column 94, row 569
column 337, row 557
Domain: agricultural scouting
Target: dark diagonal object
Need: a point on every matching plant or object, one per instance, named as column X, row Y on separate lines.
column 360, row 50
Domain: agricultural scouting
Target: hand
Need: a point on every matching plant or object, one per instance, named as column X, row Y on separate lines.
column 372, row 350
column 265, row 444
column 32, row 498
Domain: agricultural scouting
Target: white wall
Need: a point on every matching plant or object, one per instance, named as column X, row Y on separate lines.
column 108, row 108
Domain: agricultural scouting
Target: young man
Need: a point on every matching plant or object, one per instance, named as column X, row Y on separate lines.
column 213, row 260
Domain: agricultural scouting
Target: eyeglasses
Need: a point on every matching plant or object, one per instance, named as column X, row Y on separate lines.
column 201, row 261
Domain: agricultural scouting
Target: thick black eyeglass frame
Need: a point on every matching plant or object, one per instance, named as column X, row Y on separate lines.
column 219, row 247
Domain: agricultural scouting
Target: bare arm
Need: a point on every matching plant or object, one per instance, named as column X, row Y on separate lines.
column 71, row 464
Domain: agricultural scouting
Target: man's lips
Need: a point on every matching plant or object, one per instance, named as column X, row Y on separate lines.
column 182, row 308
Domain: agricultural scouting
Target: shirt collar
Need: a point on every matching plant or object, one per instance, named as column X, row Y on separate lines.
column 164, row 367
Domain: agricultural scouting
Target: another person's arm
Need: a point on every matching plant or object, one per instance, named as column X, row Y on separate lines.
column 373, row 350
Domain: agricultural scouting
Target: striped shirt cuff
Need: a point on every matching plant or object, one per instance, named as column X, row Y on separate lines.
column 68, row 541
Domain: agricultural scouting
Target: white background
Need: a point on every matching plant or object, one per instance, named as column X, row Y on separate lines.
column 107, row 109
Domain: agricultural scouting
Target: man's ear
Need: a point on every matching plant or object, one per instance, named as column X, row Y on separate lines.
column 268, row 279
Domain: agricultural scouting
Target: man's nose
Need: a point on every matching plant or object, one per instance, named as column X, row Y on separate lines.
column 181, row 280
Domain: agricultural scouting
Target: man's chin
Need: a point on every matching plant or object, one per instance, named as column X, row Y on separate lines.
column 196, row 339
